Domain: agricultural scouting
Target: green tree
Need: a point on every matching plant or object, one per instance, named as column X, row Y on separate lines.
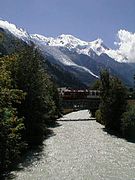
column 96, row 85
column 28, row 101
column 128, row 122
column 113, row 101
column 39, row 105
column 11, row 126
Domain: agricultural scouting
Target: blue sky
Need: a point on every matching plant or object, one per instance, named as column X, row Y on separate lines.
column 85, row 19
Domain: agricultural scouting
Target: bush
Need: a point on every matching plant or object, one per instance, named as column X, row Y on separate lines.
column 113, row 101
column 99, row 117
column 28, row 100
column 11, row 126
column 41, row 104
column 128, row 122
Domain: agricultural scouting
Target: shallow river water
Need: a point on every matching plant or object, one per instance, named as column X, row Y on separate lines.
column 80, row 150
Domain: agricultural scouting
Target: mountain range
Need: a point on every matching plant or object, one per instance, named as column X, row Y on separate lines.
column 70, row 61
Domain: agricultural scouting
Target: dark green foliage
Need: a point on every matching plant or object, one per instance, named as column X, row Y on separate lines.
column 11, row 144
column 99, row 117
column 9, row 44
column 96, row 85
column 10, row 125
column 130, row 93
column 2, row 51
column 40, row 102
column 128, row 123
column 113, row 101
column 28, row 102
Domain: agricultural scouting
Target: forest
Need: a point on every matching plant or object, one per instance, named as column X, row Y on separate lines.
column 28, row 103
column 116, row 111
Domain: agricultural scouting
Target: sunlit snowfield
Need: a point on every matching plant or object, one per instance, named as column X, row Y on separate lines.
column 80, row 150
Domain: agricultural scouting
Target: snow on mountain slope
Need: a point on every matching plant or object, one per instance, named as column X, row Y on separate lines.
column 125, row 51
column 81, row 47
column 62, row 59
column 42, row 43
column 81, row 58
column 72, row 43
column 17, row 32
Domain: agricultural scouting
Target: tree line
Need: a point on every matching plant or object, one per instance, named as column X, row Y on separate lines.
column 115, row 113
column 28, row 103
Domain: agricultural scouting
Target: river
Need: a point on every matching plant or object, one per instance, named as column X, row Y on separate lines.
column 80, row 149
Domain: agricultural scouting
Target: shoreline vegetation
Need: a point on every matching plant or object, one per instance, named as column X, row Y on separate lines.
column 115, row 112
column 29, row 102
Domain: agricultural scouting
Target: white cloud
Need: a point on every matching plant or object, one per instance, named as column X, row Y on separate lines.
column 126, row 47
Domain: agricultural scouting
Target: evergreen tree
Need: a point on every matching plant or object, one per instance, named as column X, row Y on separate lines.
column 28, row 101
column 128, row 123
column 39, row 105
column 10, row 125
column 113, row 101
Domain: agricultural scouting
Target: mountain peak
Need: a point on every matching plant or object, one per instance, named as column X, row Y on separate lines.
column 72, row 43
column 66, row 36
column 98, row 41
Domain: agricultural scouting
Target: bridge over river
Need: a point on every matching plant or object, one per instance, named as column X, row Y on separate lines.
column 79, row 150
column 80, row 99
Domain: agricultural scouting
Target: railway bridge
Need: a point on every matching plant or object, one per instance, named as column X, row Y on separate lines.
column 73, row 99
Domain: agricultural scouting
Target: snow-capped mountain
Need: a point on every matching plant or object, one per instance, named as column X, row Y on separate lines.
column 82, row 47
column 90, row 57
column 72, row 43
column 51, row 47
column 83, row 59
column 67, row 41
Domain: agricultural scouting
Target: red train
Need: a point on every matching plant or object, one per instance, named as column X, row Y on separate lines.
column 67, row 93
